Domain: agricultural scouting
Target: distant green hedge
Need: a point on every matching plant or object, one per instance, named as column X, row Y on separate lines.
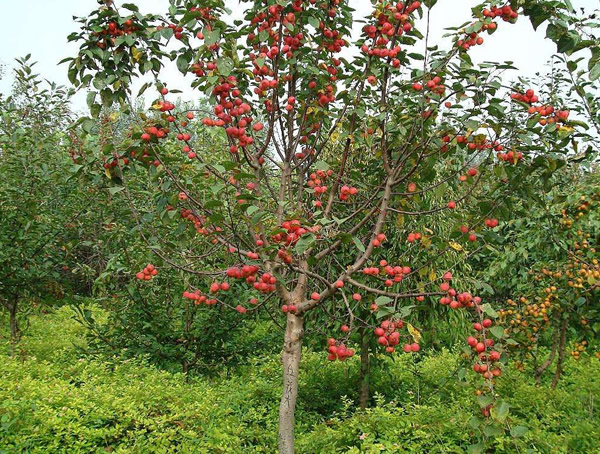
column 57, row 401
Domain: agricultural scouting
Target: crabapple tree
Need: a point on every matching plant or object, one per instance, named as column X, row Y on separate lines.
column 335, row 150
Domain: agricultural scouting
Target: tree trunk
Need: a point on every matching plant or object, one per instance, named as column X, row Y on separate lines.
column 561, row 352
column 540, row 370
column 15, row 332
column 363, row 399
column 292, row 350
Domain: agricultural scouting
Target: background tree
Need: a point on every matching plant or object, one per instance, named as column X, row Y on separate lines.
column 34, row 212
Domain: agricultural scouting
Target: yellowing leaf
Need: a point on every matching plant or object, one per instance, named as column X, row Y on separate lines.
column 456, row 246
column 414, row 332
column 136, row 54
column 432, row 276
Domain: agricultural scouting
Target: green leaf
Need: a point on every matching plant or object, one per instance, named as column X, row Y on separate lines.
column 130, row 7
column 183, row 63
column 225, row 65
column 497, row 331
column 484, row 400
column 383, row 300
column 518, row 431
column 116, row 189
column 487, row 308
column 358, row 244
column 88, row 124
column 500, row 411
column 595, row 72
column 493, row 431
column 304, row 243
column 476, row 448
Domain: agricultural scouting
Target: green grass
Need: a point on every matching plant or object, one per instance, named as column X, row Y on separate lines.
column 56, row 399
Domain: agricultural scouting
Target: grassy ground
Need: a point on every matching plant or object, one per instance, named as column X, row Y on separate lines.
column 56, row 399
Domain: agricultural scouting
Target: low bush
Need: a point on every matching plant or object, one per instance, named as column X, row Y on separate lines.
column 55, row 400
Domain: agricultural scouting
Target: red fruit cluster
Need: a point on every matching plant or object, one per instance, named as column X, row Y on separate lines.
column 144, row 157
column 217, row 287
column 316, row 180
column 293, row 232
column 488, row 365
column 464, row 230
column 114, row 162
column 113, row 30
column 232, row 113
column 511, row 157
column 394, row 20
column 338, row 351
column 454, row 299
column 165, row 106
column 394, row 274
column 347, row 191
column 552, row 115
column 147, row 273
column 198, row 221
column 154, row 131
column 265, row 283
column 177, row 31
column 199, row 298
column 473, row 38
column 289, row 308
column 505, row 12
column 247, row 272
column 413, row 236
column 388, row 334
column 491, row 223
column 529, row 97
column 378, row 240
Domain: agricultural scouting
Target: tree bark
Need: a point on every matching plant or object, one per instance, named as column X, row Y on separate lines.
column 292, row 351
column 365, row 366
column 561, row 352
column 15, row 332
column 540, row 370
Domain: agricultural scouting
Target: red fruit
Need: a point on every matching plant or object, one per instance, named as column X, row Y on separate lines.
column 315, row 296
column 241, row 309
column 344, row 328
column 407, row 348
column 471, row 341
column 417, row 87
column 338, row 284
column 452, row 204
column 415, row 347
column 258, row 126
column 379, row 332
column 164, row 91
column 480, row 347
column 472, row 238
column 487, row 323
column 146, row 137
column 224, row 286
column 477, row 326
column 356, row 297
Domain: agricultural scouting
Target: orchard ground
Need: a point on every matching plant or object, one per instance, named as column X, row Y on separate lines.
column 54, row 399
